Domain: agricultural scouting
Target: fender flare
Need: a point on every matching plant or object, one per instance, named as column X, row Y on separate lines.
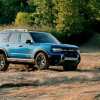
column 40, row 51
column 3, row 51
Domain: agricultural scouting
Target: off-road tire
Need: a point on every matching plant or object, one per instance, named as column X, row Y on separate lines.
column 70, row 67
column 41, row 61
column 3, row 62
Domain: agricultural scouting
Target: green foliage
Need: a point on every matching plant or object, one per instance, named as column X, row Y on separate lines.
column 24, row 18
column 32, row 6
column 63, row 17
column 64, row 12
column 1, row 9
column 9, row 11
column 44, row 14
column 68, row 19
column 10, row 8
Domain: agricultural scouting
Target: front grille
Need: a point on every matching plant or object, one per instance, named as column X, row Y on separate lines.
column 72, row 54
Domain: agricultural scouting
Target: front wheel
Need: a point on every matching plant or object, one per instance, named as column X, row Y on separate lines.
column 70, row 67
column 41, row 61
column 3, row 62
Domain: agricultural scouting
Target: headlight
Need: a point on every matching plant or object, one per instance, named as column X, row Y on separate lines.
column 57, row 49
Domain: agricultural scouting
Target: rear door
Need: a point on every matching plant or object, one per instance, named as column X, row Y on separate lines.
column 13, row 45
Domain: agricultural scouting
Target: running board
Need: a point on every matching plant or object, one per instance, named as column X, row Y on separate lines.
column 20, row 60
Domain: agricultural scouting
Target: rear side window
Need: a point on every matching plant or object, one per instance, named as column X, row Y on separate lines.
column 4, row 36
column 14, row 37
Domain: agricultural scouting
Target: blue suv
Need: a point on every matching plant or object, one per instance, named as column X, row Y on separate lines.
column 39, row 49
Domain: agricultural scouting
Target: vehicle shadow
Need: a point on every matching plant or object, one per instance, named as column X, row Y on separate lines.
column 57, row 70
column 78, row 70
column 27, row 68
column 89, row 70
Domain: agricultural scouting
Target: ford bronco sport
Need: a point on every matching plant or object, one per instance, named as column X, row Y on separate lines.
column 40, row 49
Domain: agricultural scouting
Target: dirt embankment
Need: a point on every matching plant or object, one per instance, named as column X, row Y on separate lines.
column 53, row 84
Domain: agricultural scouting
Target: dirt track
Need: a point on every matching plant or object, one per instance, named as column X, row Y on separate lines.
column 53, row 84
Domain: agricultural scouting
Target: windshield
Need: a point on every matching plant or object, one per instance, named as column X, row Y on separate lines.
column 42, row 37
column 4, row 37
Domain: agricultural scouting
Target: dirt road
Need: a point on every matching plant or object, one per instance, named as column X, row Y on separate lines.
column 53, row 84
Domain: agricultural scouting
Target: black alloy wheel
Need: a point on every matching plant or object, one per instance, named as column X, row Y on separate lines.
column 41, row 61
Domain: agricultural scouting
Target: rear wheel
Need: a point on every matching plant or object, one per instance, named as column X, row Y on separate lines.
column 41, row 61
column 3, row 62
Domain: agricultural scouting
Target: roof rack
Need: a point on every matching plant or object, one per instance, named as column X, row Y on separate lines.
column 14, row 30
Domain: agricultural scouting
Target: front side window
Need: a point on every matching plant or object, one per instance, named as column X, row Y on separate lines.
column 4, row 36
column 25, row 37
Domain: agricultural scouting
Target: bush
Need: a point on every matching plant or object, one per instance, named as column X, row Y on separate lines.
column 24, row 18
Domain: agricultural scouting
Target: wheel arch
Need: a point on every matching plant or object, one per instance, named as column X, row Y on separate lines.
column 4, row 52
column 39, row 52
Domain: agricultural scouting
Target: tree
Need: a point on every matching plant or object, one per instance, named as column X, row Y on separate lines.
column 68, row 19
column 24, row 18
column 9, row 11
column 1, row 11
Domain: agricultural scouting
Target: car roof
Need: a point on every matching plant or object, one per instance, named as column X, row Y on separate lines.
column 37, row 32
column 15, row 30
column 21, row 31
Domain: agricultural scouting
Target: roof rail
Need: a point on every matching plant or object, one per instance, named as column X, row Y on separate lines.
column 20, row 30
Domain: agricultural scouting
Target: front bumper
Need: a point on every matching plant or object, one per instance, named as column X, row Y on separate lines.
column 60, row 59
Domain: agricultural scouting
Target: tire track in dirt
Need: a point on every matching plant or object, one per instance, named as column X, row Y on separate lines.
column 62, row 92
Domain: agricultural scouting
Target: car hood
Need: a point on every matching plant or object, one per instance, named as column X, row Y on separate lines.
column 65, row 46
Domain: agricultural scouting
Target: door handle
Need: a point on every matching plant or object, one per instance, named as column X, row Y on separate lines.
column 7, row 45
column 20, row 45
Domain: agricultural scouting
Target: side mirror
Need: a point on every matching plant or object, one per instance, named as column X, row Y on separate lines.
column 28, row 41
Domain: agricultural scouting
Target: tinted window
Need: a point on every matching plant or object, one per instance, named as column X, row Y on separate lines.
column 25, row 36
column 43, row 37
column 14, row 37
column 4, row 36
